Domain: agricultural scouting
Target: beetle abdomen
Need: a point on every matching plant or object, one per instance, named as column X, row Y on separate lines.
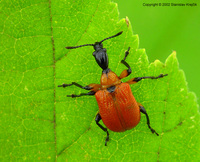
column 119, row 110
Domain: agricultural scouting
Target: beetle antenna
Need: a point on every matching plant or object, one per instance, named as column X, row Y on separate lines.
column 69, row 47
column 112, row 36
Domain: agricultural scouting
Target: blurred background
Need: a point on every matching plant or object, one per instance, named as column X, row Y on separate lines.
column 163, row 29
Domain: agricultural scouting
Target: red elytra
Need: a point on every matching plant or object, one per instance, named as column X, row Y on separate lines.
column 118, row 108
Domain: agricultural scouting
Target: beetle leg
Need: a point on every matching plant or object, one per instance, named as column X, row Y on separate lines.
column 135, row 80
column 126, row 53
column 142, row 110
column 128, row 71
column 76, row 84
column 64, row 85
column 82, row 94
column 92, row 87
column 97, row 119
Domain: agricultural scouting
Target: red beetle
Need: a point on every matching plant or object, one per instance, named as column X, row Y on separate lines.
column 118, row 108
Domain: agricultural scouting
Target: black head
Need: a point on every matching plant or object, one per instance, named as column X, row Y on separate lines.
column 100, row 54
column 97, row 46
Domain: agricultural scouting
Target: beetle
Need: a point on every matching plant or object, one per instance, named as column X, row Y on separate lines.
column 118, row 108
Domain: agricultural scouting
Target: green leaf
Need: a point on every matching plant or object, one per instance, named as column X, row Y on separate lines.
column 38, row 121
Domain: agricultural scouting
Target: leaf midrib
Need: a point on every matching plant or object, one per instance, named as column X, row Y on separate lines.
column 54, row 72
column 54, row 61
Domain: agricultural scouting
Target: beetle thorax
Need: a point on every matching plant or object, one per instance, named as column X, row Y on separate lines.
column 109, row 79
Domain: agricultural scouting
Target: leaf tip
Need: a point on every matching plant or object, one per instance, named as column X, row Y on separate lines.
column 171, row 58
column 156, row 62
column 174, row 54
column 127, row 21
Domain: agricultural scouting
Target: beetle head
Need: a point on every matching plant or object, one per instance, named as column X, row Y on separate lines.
column 100, row 54
column 97, row 46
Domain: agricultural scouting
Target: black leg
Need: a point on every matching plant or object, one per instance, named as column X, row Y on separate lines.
column 97, row 119
column 127, row 72
column 149, row 77
column 125, row 63
column 135, row 80
column 126, row 53
column 76, row 84
column 142, row 110
column 82, row 94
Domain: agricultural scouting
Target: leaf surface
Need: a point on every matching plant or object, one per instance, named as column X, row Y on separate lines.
column 38, row 121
